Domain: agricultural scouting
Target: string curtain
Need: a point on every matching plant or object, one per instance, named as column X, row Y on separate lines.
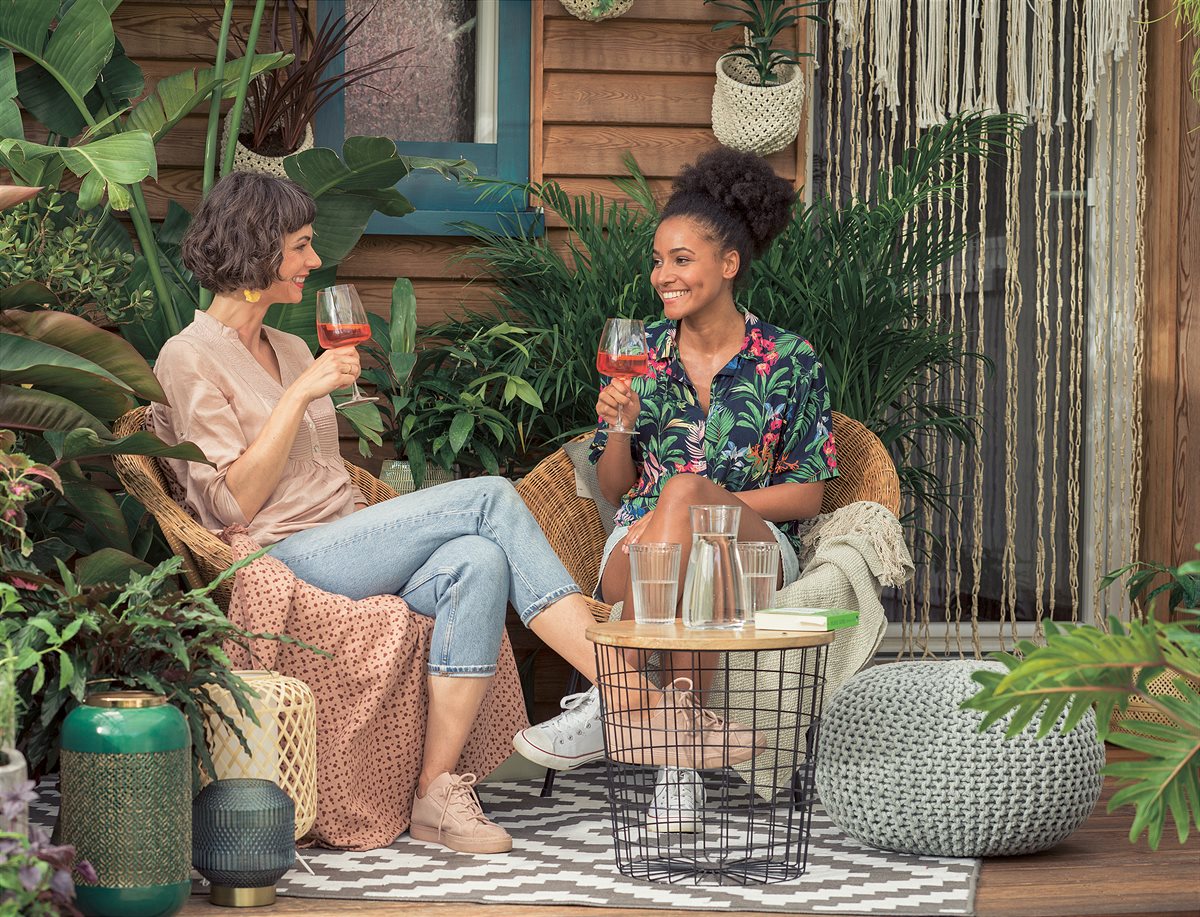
column 1050, row 289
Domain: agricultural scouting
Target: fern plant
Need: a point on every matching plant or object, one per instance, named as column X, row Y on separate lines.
column 1081, row 667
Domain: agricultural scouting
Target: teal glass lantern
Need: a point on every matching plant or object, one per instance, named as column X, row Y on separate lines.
column 244, row 839
column 126, row 785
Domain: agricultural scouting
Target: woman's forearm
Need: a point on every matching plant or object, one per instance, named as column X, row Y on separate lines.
column 785, row 502
column 615, row 471
column 253, row 477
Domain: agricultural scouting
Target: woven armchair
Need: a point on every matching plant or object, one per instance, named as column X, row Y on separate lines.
column 572, row 523
column 204, row 554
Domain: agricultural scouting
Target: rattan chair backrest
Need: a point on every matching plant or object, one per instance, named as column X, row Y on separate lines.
column 204, row 554
column 573, row 527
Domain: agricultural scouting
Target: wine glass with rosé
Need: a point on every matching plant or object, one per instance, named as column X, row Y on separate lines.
column 342, row 322
column 622, row 353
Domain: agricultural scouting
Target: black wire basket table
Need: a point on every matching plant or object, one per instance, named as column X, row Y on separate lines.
column 710, row 740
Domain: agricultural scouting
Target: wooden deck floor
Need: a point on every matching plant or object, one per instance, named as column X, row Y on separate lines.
column 1094, row 872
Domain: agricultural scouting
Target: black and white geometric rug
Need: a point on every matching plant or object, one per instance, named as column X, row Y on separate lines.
column 563, row 855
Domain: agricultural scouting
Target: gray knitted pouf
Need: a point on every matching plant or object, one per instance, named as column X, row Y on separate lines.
column 900, row 766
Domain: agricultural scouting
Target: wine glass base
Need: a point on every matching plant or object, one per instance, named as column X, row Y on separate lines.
column 351, row 402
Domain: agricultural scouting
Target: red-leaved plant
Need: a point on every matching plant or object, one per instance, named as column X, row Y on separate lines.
column 281, row 103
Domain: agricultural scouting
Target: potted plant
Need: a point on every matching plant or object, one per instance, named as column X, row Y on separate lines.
column 760, row 89
column 596, row 10
column 1081, row 667
column 37, row 877
column 437, row 411
column 281, row 104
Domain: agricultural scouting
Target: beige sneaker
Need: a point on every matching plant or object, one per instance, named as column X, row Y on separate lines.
column 449, row 814
column 678, row 732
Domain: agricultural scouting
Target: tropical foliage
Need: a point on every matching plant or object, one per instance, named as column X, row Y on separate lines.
column 64, row 382
column 37, row 876
column 1083, row 667
column 854, row 279
column 439, row 399
column 73, row 260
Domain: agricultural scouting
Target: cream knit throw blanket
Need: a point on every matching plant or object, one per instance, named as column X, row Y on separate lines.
column 856, row 551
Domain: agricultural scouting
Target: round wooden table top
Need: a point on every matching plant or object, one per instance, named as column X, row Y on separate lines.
column 677, row 637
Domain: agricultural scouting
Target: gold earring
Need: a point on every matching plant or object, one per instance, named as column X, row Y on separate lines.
column 252, row 295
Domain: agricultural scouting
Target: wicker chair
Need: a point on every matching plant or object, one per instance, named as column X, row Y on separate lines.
column 573, row 527
column 204, row 554
column 572, row 523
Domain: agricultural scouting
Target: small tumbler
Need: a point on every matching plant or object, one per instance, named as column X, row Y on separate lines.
column 654, row 568
column 760, row 573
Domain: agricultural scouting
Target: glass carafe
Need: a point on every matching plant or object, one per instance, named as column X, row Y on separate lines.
column 712, row 592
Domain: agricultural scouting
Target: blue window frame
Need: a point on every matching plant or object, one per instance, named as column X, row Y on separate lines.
column 439, row 204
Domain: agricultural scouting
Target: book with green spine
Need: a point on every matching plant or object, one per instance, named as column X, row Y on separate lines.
column 815, row 619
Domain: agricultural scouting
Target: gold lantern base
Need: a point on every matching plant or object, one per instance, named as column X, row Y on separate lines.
column 224, row 896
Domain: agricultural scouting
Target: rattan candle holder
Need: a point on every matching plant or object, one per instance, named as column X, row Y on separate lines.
column 283, row 746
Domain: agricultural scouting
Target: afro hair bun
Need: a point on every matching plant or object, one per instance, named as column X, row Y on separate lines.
column 741, row 184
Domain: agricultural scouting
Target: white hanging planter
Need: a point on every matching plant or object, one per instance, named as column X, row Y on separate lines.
column 596, row 10
column 756, row 119
column 12, row 776
column 246, row 160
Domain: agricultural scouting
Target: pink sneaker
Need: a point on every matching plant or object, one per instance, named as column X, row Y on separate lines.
column 678, row 732
column 450, row 815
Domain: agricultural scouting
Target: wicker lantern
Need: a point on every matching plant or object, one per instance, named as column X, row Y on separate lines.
column 283, row 746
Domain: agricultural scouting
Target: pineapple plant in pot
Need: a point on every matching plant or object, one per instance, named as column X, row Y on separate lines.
column 760, row 87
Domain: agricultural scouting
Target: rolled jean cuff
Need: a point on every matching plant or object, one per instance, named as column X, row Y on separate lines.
column 532, row 611
column 461, row 671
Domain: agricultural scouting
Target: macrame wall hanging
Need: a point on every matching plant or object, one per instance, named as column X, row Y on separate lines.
column 1048, row 499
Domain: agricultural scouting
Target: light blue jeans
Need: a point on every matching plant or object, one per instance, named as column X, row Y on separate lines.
column 459, row 553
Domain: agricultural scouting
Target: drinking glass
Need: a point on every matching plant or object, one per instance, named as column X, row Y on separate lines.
column 341, row 322
column 654, row 568
column 760, row 573
column 712, row 591
column 622, row 354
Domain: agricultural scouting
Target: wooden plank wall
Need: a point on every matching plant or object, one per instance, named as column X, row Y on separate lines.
column 1171, row 485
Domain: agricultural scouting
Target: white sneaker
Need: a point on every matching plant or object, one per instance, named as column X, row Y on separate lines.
column 572, row 738
column 678, row 797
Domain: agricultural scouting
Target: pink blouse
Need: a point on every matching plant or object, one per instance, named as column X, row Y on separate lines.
column 220, row 398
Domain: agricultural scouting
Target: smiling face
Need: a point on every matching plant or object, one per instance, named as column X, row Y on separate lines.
column 299, row 259
column 691, row 272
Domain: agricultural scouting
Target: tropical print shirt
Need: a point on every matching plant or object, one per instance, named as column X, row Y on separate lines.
column 768, row 420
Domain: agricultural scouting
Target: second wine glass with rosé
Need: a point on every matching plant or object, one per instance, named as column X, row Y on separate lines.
column 342, row 322
column 622, row 354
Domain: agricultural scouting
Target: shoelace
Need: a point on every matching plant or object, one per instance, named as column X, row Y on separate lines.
column 577, row 711
column 686, row 700
column 461, row 794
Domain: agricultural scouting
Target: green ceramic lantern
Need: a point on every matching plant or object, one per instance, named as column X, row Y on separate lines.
column 127, row 803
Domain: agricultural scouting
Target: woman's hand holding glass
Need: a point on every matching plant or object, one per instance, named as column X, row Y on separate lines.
column 341, row 323
column 621, row 355
column 334, row 369
column 618, row 405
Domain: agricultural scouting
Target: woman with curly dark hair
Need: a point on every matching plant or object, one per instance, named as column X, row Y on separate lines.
column 733, row 411
column 257, row 403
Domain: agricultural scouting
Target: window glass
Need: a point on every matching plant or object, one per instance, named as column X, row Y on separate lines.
column 431, row 93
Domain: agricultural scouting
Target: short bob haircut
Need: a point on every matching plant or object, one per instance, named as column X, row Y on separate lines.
column 235, row 241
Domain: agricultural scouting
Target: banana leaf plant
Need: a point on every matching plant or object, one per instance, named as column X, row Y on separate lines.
column 64, row 382
column 80, row 86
